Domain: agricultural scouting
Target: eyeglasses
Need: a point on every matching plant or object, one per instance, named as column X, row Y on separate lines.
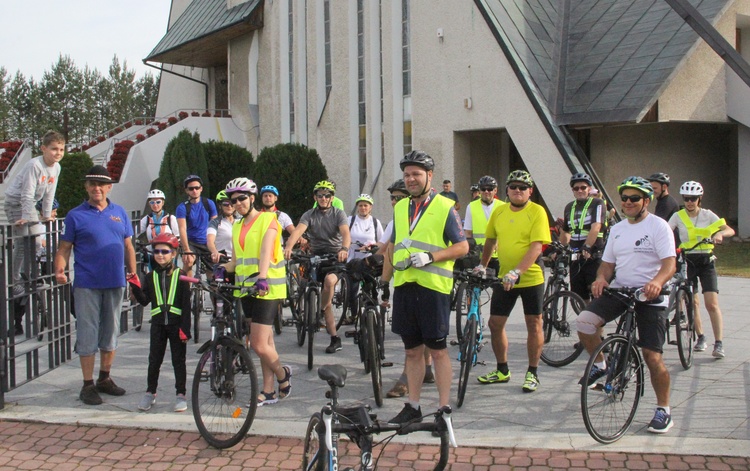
column 226, row 204
column 580, row 188
column 519, row 187
column 690, row 199
column 162, row 251
column 239, row 199
column 631, row 198
column 397, row 198
column 324, row 195
column 193, row 188
column 153, row 202
column 487, row 188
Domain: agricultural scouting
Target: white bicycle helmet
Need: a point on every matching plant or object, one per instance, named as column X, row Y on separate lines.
column 153, row 194
column 241, row 185
column 691, row 188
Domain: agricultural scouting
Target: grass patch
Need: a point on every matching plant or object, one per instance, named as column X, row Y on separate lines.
column 733, row 259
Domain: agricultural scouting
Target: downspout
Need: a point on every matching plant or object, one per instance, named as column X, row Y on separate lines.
column 162, row 69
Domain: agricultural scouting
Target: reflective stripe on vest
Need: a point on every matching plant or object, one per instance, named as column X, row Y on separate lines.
column 479, row 222
column 169, row 306
column 248, row 259
column 580, row 230
column 427, row 236
column 697, row 233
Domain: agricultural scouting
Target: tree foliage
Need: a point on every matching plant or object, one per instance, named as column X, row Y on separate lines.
column 70, row 190
column 226, row 161
column 183, row 156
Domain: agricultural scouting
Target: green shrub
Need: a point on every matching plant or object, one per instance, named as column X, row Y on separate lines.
column 70, row 189
column 182, row 157
column 225, row 162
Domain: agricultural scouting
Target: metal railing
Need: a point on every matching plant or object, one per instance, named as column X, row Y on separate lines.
column 24, row 144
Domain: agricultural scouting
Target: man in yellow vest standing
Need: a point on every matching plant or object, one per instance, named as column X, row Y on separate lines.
column 478, row 214
column 427, row 238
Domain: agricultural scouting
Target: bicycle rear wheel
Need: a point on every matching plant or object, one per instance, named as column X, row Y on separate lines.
column 312, row 306
column 373, row 354
column 685, row 327
column 609, row 405
column 363, row 340
column 225, row 394
column 463, row 302
column 300, row 319
column 468, row 350
column 197, row 306
column 314, row 452
column 559, row 314
column 340, row 302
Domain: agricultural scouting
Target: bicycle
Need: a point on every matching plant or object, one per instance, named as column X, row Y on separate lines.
column 459, row 293
column 203, row 266
column 359, row 423
column 560, row 311
column 225, row 385
column 471, row 342
column 609, row 404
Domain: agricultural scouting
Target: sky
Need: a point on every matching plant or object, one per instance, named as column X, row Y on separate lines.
column 35, row 32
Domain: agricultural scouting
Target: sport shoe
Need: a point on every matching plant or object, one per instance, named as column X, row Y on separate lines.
column 147, row 401
column 335, row 345
column 594, row 375
column 661, row 422
column 718, row 350
column 89, row 396
column 180, row 403
column 265, row 398
column 18, row 289
column 429, row 377
column 700, row 344
column 109, row 387
column 407, row 415
column 494, row 377
column 530, row 383
column 398, row 390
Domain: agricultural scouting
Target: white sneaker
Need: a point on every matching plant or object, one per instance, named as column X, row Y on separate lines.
column 180, row 404
column 147, row 401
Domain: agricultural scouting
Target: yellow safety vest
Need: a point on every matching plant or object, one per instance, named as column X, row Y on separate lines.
column 479, row 222
column 582, row 217
column 173, row 280
column 697, row 233
column 426, row 236
column 248, row 259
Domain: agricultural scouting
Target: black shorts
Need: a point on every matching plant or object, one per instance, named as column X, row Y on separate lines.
column 650, row 320
column 701, row 267
column 259, row 310
column 420, row 314
column 504, row 301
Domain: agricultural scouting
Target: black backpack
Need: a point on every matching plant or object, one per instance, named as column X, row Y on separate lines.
column 187, row 204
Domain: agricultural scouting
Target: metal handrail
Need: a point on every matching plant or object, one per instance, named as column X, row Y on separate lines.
column 4, row 174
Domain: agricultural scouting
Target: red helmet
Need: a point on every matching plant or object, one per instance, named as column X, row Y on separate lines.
column 165, row 238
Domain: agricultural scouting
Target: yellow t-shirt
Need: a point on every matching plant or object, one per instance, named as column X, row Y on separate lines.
column 515, row 231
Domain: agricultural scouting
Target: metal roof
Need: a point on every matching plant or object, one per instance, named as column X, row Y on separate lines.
column 199, row 36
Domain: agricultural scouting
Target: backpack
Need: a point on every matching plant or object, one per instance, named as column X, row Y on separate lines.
column 187, row 204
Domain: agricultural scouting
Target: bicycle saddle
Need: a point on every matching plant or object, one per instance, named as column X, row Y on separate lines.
column 333, row 374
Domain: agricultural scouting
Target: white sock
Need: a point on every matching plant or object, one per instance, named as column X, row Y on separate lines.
column 667, row 409
column 601, row 364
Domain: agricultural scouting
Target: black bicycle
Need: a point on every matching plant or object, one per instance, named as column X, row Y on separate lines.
column 359, row 423
column 225, row 385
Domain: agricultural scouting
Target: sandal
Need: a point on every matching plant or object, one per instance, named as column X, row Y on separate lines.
column 287, row 390
column 265, row 398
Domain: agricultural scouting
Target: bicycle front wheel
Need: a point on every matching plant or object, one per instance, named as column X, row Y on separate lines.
column 685, row 327
column 363, row 338
column 225, row 394
column 314, row 452
column 559, row 314
column 197, row 306
column 340, row 301
column 299, row 314
column 373, row 346
column 312, row 307
column 468, row 350
column 609, row 404
column 463, row 303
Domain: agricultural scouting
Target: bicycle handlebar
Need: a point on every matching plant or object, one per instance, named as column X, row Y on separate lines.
column 220, row 285
column 704, row 240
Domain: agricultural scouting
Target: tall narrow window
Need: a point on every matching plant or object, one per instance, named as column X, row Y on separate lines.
column 361, row 96
column 406, row 72
column 327, row 39
column 291, row 69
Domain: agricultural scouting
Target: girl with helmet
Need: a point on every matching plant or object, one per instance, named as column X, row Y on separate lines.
column 156, row 221
column 170, row 314
column 258, row 260
column 694, row 224
column 219, row 232
column 364, row 228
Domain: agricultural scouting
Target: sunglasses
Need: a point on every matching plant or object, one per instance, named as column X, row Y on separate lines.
column 193, row 188
column 519, row 187
column 397, row 198
column 487, row 188
column 239, row 199
column 324, row 195
column 631, row 198
column 162, row 251
column 690, row 199
column 226, row 204
column 580, row 188
column 152, row 202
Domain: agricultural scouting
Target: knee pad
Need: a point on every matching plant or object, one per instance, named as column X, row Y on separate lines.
column 588, row 322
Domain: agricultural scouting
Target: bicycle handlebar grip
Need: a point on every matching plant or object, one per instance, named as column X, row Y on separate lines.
column 189, row 279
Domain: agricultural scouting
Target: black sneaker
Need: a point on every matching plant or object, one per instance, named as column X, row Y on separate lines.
column 661, row 422
column 407, row 415
column 109, row 387
column 595, row 374
column 89, row 396
column 335, row 345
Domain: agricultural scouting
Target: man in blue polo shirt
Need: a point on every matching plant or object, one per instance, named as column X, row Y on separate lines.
column 192, row 218
column 99, row 233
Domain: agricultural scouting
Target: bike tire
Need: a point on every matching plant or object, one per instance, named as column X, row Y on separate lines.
column 363, row 339
column 197, row 306
column 685, row 326
column 224, row 401
column 293, row 287
column 340, row 301
column 609, row 405
column 314, row 451
column 373, row 354
column 312, row 307
column 40, row 315
column 468, row 350
column 300, row 320
column 463, row 302
column 444, row 450
column 559, row 316
column 278, row 320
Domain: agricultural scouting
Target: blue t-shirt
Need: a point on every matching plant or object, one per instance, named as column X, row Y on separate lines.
column 197, row 224
column 98, row 239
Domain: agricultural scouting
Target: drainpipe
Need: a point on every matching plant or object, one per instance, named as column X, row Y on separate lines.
column 162, row 69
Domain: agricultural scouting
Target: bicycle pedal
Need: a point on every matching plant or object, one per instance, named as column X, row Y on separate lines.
column 386, row 364
column 673, row 342
column 350, row 334
column 454, row 342
column 288, row 322
column 482, row 362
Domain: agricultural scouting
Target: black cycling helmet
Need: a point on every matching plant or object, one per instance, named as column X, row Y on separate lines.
column 487, row 181
column 474, row 187
column 398, row 185
column 419, row 158
column 581, row 177
column 660, row 177
column 191, row 178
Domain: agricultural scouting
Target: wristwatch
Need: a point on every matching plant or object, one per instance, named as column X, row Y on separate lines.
column 345, row 249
